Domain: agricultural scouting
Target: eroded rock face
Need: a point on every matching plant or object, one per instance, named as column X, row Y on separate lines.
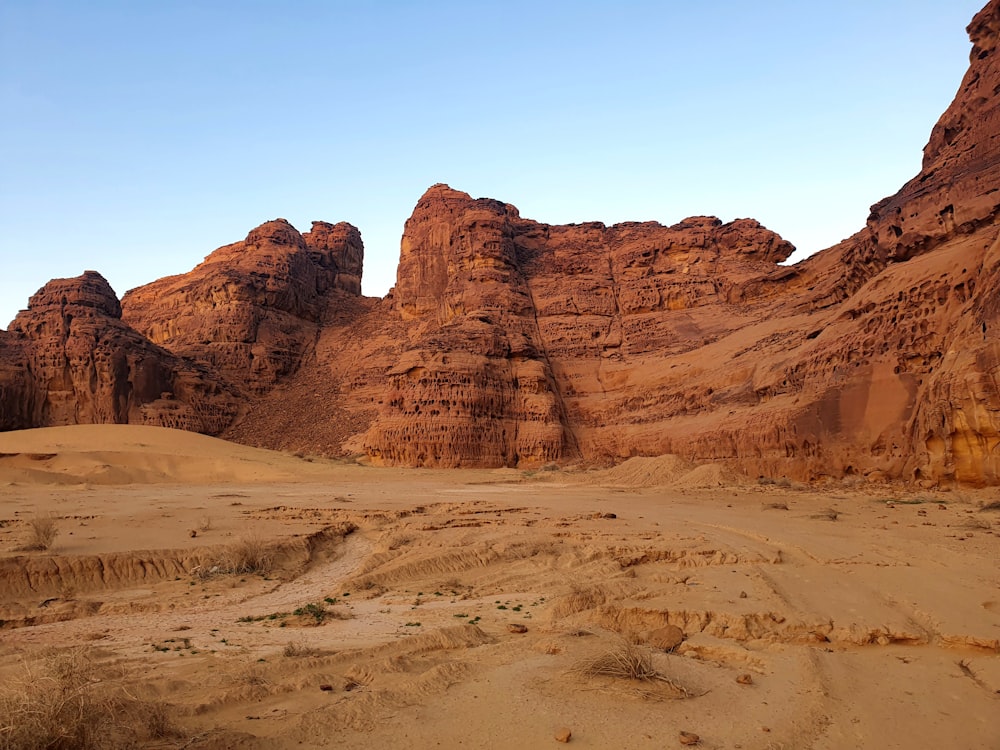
column 508, row 311
column 251, row 309
column 69, row 359
column 955, row 190
column 509, row 342
column 877, row 357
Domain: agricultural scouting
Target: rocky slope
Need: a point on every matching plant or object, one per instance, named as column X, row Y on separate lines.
column 511, row 342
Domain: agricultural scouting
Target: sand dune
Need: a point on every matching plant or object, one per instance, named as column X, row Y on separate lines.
column 421, row 608
column 125, row 454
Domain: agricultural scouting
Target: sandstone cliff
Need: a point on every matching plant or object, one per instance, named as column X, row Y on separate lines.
column 876, row 357
column 509, row 342
column 70, row 359
column 251, row 310
column 518, row 324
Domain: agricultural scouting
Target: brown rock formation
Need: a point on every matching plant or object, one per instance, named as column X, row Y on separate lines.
column 876, row 357
column 516, row 320
column 511, row 342
column 251, row 310
column 70, row 359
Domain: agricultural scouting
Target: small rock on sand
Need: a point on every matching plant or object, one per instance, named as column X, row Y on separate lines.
column 516, row 627
column 689, row 738
column 563, row 734
column 667, row 638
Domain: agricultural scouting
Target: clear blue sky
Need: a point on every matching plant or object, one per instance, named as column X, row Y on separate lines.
column 136, row 137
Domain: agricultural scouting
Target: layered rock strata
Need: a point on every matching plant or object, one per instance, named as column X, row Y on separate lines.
column 69, row 359
column 509, row 342
column 252, row 309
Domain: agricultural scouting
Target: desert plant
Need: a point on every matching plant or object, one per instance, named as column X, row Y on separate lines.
column 320, row 613
column 297, row 648
column 976, row 524
column 628, row 661
column 42, row 532
column 249, row 555
column 65, row 700
column 826, row 515
column 317, row 611
column 251, row 678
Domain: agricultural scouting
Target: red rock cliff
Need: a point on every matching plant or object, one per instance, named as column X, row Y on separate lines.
column 251, row 309
column 512, row 342
column 69, row 359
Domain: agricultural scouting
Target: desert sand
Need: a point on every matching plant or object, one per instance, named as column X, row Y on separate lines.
column 386, row 605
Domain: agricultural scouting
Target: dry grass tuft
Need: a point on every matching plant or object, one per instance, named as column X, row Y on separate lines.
column 249, row 555
column 294, row 649
column 42, row 532
column 316, row 613
column 65, row 700
column 250, row 678
column 992, row 505
column 826, row 515
column 629, row 662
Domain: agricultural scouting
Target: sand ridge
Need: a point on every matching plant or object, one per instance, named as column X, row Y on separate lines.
column 842, row 616
column 126, row 454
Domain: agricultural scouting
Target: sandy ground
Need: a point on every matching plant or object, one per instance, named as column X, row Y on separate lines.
column 834, row 617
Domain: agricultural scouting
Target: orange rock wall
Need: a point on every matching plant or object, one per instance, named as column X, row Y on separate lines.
column 509, row 342
column 69, row 359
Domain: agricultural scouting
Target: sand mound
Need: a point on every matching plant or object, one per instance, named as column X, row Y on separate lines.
column 669, row 470
column 648, row 471
column 127, row 454
column 708, row 475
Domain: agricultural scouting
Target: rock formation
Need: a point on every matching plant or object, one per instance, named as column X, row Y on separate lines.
column 517, row 324
column 508, row 342
column 251, row 309
column 70, row 359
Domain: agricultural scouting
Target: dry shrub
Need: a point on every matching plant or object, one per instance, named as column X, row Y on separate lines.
column 249, row 555
column 629, row 662
column 826, row 515
column 43, row 530
column 579, row 599
column 992, row 505
column 317, row 613
column 297, row 648
column 65, row 700
column 250, row 678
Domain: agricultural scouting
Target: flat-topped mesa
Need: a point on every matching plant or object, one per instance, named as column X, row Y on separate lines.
column 741, row 239
column 74, row 361
column 251, row 309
